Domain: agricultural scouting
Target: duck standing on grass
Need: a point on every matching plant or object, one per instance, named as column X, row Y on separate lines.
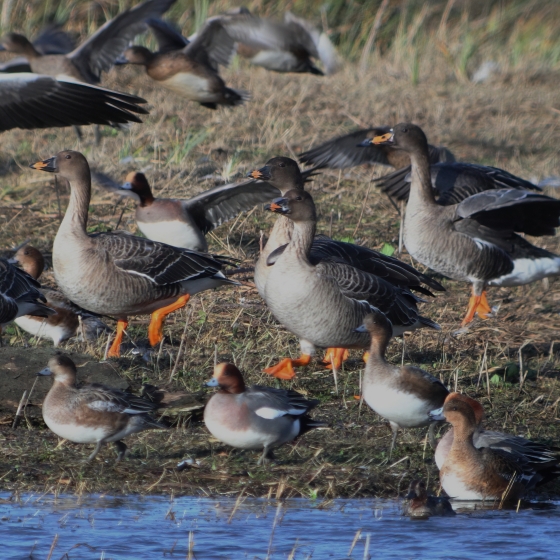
column 118, row 274
column 403, row 395
column 487, row 473
column 255, row 417
column 93, row 413
column 422, row 506
column 324, row 301
column 65, row 323
column 474, row 241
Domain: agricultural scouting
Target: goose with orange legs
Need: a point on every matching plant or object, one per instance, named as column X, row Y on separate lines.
column 119, row 274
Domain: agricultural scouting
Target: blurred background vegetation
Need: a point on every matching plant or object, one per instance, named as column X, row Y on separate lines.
column 415, row 34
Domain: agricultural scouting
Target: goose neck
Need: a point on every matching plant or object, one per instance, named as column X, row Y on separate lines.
column 421, row 180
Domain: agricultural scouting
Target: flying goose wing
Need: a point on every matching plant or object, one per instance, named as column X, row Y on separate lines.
column 224, row 202
column 36, row 101
column 168, row 38
column 99, row 52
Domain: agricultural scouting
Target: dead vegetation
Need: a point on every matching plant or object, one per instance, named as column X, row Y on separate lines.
column 510, row 362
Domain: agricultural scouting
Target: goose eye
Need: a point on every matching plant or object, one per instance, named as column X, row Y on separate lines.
column 68, row 156
column 299, row 198
column 281, row 164
column 405, row 130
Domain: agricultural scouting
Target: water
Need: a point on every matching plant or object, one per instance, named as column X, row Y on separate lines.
column 134, row 528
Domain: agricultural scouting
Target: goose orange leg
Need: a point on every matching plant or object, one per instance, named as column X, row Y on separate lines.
column 334, row 357
column 155, row 330
column 284, row 369
column 477, row 304
column 115, row 350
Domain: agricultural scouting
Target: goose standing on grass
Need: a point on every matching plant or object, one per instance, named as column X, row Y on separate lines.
column 474, row 241
column 34, row 101
column 405, row 395
column 346, row 151
column 288, row 46
column 68, row 321
column 119, row 274
column 255, row 417
column 185, row 223
column 93, row 413
column 191, row 71
column 486, row 473
column 543, row 459
column 19, row 295
column 324, row 302
column 284, row 174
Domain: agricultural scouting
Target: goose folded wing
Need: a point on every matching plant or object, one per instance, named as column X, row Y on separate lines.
column 160, row 263
column 212, row 44
column 105, row 399
column 15, row 283
column 513, row 210
column 271, row 403
column 99, row 52
column 224, row 202
column 167, row 37
column 343, row 151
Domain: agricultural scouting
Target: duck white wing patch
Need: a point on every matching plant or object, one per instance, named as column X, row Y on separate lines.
column 271, row 413
column 106, row 406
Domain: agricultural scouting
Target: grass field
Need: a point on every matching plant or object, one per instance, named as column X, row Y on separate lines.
column 511, row 121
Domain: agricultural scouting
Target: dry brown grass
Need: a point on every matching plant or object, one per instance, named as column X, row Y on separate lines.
column 511, row 123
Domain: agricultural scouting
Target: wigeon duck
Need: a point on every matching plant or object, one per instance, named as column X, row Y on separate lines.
column 405, row 395
column 185, row 223
column 543, row 459
column 119, row 274
column 475, row 240
column 288, row 46
column 255, row 417
column 486, row 473
column 92, row 413
column 323, row 302
column 65, row 323
column 422, row 506
column 345, row 151
column 19, row 294
column 35, row 101
column 95, row 55
column 51, row 40
column 284, row 174
column 192, row 70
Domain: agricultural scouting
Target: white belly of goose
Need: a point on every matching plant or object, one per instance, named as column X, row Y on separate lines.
column 41, row 328
column 526, row 271
column 176, row 233
column 400, row 407
column 190, row 86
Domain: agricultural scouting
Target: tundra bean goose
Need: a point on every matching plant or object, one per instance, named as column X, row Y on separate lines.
column 69, row 319
column 402, row 395
column 19, row 294
column 345, row 151
column 284, row 174
column 192, row 70
column 93, row 413
column 185, row 223
column 325, row 302
column 288, row 46
column 119, row 274
column 95, row 55
column 474, row 241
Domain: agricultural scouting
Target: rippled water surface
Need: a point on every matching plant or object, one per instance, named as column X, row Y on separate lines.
column 156, row 527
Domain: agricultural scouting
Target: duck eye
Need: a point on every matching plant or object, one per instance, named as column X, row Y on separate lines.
column 281, row 164
column 404, row 130
column 68, row 156
column 299, row 198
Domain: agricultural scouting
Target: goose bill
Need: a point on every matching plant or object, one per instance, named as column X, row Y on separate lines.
column 387, row 138
column 45, row 165
column 262, row 174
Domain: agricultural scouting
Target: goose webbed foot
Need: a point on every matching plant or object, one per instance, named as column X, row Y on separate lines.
column 115, row 350
column 334, row 357
column 155, row 330
column 477, row 304
column 285, row 368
